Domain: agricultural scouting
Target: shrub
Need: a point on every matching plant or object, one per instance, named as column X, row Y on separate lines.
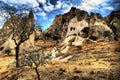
column 56, row 37
column 106, row 34
column 93, row 38
column 8, row 51
column 47, row 35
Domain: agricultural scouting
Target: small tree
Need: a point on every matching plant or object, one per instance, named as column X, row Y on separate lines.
column 33, row 59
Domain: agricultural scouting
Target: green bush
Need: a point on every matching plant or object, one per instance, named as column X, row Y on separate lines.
column 8, row 51
column 106, row 34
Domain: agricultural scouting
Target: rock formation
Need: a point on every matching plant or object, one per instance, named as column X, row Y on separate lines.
column 98, row 28
column 38, row 33
column 18, row 28
column 59, row 27
column 75, row 27
column 113, row 20
column 78, row 23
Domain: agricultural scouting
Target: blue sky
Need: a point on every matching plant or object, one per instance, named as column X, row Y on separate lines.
column 46, row 10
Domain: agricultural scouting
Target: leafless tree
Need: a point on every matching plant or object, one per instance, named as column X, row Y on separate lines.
column 21, row 34
column 34, row 60
column 21, row 27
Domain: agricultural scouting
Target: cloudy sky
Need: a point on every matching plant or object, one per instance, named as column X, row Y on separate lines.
column 46, row 10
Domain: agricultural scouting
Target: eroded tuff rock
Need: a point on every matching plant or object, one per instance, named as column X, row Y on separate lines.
column 78, row 23
column 18, row 29
column 98, row 28
column 59, row 27
column 113, row 20
column 38, row 33
column 75, row 27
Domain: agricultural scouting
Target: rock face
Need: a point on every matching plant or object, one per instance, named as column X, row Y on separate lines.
column 113, row 20
column 38, row 33
column 73, row 40
column 59, row 27
column 99, row 29
column 16, row 29
column 78, row 23
column 75, row 27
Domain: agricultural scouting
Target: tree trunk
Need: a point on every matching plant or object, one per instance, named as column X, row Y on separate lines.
column 17, row 56
column 37, row 72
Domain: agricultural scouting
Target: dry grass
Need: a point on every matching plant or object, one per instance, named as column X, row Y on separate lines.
column 96, row 61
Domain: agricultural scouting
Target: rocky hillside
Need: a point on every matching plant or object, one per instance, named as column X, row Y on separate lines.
column 77, row 22
column 88, row 50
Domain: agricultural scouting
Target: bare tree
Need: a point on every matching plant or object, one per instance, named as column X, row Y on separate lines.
column 22, row 33
column 21, row 27
column 34, row 60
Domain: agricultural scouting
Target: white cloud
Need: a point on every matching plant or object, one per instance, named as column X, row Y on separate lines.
column 59, row 4
column 3, row 17
column 45, row 18
column 41, row 14
column 1, row 22
column 109, row 8
column 105, row 7
column 67, row 7
column 48, row 8
column 32, row 3
column 90, row 4
column 10, row 1
column 42, row 1
column 51, row 20
column 29, row 3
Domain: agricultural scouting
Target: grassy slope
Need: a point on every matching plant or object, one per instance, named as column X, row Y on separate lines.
column 96, row 61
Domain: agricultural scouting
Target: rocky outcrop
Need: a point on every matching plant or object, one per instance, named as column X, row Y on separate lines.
column 112, row 16
column 18, row 29
column 55, row 31
column 78, row 23
column 98, row 28
column 59, row 27
column 113, row 20
column 75, row 27
column 38, row 33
